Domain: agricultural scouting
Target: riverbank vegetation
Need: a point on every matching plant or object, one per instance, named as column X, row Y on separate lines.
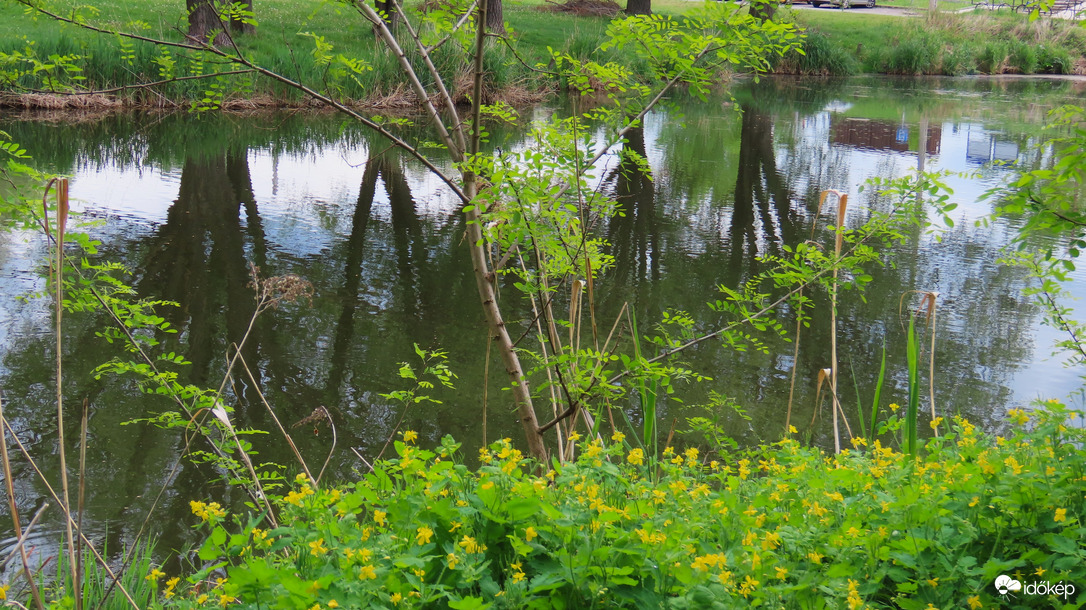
column 41, row 58
column 950, row 44
column 779, row 525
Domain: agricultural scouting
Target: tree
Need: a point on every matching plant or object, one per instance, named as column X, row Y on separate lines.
column 205, row 24
column 208, row 20
column 533, row 215
column 638, row 7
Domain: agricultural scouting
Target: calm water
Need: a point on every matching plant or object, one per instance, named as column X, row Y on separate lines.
column 187, row 203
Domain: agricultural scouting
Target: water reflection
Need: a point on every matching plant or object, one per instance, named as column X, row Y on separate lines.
column 191, row 204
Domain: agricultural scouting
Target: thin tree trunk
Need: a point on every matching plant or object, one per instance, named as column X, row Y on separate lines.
column 763, row 10
column 388, row 12
column 204, row 23
column 494, row 20
column 484, row 277
column 638, row 7
column 238, row 25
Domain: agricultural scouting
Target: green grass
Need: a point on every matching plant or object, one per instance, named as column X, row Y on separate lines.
column 949, row 44
column 841, row 43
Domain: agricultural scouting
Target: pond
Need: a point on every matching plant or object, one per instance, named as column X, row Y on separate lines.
column 188, row 202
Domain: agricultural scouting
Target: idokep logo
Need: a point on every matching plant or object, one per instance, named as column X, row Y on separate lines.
column 1006, row 585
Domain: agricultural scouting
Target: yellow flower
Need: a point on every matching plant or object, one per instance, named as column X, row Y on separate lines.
column 618, row 437
column 636, row 457
column 974, row 602
column 815, row 557
column 748, row 585
column 468, row 544
column 933, row 582
column 1040, row 572
column 201, row 599
column 894, row 407
column 573, row 436
column 423, row 535
column 333, row 604
column 854, row 599
column 529, row 534
column 4, row 591
column 410, row 436
column 1019, row 416
column 396, row 598
column 1061, row 515
column 224, row 600
column 170, row 585
column 155, row 574
column 367, row 572
column 935, row 423
column 379, row 517
column 792, row 430
column 316, row 548
column 974, row 501
column 782, row 573
column 452, row 561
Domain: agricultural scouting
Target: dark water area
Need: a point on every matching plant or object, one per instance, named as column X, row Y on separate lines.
column 187, row 203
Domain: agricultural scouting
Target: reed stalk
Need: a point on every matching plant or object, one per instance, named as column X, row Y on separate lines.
column 842, row 205
column 14, row 508
column 80, row 500
column 67, row 515
column 57, row 275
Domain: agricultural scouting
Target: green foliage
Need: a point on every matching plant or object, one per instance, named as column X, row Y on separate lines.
column 140, row 580
column 913, row 405
column 821, row 56
column 777, row 525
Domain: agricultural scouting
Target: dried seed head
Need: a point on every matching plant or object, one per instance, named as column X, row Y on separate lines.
column 272, row 291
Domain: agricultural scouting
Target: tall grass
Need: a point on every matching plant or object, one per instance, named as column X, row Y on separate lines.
column 912, row 355
column 949, row 44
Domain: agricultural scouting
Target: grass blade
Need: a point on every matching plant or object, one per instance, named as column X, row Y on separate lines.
column 878, row 391
column 913, row 357
column 856, row 388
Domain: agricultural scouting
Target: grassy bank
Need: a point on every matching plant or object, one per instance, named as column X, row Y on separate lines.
column 52, row 56
column 982, row 42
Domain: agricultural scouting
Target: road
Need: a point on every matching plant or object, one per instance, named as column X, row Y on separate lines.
column 863, row 10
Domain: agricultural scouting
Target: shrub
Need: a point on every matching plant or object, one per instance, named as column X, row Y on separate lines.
column 821, row 56
column 915, row 54
column 780, row 525
column 993, row 58
column 1023, row 57
column 1054, row 60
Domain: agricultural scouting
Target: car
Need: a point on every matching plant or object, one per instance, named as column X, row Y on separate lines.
column 867, row 3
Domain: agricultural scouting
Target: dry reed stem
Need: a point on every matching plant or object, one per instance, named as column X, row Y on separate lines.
column 278, row 424
column 56, row 273
column 928, row 307
column 67, row 515
column 842, row 205
column 537, row 315
column 79, row 500
column 10, row 487
column 20, row 543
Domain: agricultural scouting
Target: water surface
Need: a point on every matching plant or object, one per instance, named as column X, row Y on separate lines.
column 188, row 203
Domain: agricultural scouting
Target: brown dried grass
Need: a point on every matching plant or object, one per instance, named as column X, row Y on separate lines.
column 584, row 8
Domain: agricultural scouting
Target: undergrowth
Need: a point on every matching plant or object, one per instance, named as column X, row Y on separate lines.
column 781, row 525
column 949, row 44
